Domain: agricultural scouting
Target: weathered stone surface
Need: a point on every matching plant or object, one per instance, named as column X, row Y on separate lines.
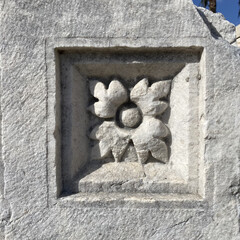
column 50, row 52
column 147, row 98
column 147, row 134
column 238, row 35
column 109, row 99
column 218, row 25
column 130, row 117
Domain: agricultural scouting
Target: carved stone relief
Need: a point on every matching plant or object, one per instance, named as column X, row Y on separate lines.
column 130, row 117
column 129, row 121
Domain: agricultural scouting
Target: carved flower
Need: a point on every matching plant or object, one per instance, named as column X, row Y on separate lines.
column 135, row 120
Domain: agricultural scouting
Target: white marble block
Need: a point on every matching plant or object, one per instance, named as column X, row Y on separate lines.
column 120, row 119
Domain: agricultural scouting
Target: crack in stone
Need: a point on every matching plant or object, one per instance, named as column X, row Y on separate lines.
column 181, row 223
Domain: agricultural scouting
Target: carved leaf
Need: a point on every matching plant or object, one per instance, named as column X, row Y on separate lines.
column 111, row 139
column 147, row 98
column 147, row 138
column 109, row 99
column 97, row 89
column 161, row 89
column 158, row 149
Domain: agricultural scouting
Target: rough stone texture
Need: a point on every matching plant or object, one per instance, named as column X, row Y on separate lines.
column 238, row 35
column 218, row 25
column 130, row 117
column 33, row 205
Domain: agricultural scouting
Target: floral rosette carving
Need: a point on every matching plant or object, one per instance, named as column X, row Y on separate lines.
column 130, row 118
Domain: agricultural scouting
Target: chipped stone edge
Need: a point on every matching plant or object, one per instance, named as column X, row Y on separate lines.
column 218, row 25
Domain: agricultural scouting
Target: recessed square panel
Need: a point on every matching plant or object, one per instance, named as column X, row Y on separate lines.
column 129, row 120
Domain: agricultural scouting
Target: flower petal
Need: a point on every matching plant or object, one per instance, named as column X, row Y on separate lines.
column 111, row 139
column 103, row 109
column 161, row 89
column 142, row 153
column 151, row 127
column 148, row 137
column 139, row 90
column 97, row 89
column 117, row 93
column 158, row 149
column 109, row 99
column 147, row 98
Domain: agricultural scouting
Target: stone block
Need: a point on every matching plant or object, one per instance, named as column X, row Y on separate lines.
column 119, row 120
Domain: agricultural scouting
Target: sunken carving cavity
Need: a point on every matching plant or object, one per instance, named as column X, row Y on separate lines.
column 136, row 121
